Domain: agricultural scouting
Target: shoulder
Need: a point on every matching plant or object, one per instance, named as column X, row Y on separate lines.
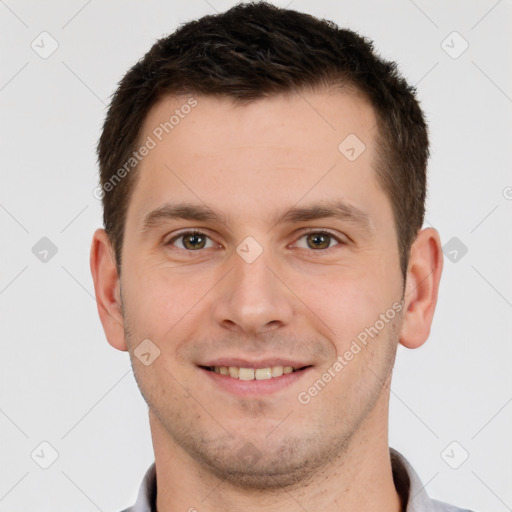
column 411, row 489
column 146, row 499
column 439, row 506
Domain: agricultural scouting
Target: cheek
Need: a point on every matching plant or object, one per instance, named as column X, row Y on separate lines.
column 345, row 300
column 161, row 299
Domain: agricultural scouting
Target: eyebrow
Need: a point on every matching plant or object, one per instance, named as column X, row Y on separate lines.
column 184, row 211
column 327, row 209
column 202, row 213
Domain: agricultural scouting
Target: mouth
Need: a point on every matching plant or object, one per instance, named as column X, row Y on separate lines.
column 251, row 380
column 263, row 373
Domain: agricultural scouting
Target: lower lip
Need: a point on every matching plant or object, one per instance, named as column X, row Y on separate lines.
column 251, row 388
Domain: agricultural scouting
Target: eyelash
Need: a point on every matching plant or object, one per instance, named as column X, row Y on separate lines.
column 304, row 234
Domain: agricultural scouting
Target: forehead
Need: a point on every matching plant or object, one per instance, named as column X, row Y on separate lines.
column 253, row 157
column 296, row 120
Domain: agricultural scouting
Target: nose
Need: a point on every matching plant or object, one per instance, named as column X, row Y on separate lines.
column 252, row 300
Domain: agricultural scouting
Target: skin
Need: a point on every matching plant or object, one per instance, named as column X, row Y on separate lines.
column 250, row 163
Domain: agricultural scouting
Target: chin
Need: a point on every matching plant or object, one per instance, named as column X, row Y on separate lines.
column 266, row 473
column 264, row 462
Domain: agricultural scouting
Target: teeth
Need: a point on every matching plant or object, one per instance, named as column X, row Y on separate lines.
column 253, row 373
column 246, row 374
column 263, row 373
column 277, row 371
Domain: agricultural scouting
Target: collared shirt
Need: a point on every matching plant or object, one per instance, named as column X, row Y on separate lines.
column 407, row 483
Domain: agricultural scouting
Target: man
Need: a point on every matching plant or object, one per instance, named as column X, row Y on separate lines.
column 263, row 176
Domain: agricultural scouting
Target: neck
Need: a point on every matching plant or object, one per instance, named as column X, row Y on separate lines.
column 360, row 479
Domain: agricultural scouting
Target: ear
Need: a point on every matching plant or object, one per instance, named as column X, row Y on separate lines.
column 107, row 289
column 422, row 285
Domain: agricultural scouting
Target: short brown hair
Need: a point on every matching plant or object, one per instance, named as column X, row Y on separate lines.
column 253, row 51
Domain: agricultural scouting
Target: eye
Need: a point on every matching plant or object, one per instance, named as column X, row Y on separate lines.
column 191, row 241
column 318, row 240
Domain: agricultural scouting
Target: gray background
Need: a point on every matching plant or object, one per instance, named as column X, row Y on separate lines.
column 61, row 383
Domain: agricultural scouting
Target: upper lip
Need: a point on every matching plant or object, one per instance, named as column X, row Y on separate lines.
column 261, row 363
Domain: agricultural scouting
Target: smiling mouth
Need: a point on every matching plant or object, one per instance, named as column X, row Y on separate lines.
column 240, row 373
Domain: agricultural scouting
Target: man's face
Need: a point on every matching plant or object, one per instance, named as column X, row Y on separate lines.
column 267, row 282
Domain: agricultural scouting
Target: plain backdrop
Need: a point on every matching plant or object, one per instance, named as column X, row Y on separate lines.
column 63, row 385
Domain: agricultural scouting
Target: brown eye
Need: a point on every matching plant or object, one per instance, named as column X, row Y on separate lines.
column 318, row 240
column 192, row 241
